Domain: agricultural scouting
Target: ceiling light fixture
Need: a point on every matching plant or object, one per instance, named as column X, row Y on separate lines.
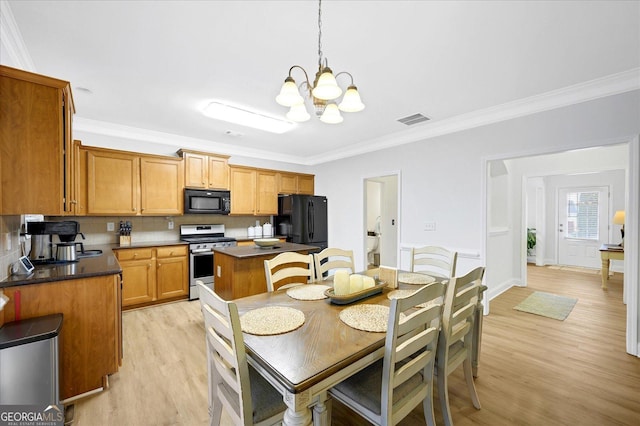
column 322, row 92
column 231, row 114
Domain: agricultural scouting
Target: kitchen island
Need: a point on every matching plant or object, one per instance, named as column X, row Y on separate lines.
column 239, row 271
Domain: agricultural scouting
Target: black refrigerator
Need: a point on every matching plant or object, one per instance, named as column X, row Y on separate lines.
column 303, row 219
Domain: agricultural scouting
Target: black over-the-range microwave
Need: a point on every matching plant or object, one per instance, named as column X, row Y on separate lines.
column 207, row 201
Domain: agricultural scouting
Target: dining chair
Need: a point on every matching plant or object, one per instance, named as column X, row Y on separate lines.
column 331, row 259
column 433, row 260
column 233, row 384
column 456, row 341
column 289, row 269
column 387, row 391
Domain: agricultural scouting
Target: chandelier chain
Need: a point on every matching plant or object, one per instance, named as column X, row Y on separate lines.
column 320, row 33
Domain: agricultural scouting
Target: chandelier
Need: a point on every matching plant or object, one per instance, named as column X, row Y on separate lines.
column 323, row 92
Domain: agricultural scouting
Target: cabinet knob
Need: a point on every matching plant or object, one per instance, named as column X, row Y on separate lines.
column 135, row 254
column 133, row 209
column 159, row 265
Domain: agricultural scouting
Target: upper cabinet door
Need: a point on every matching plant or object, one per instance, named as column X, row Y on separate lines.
column 112, row 183
column 218, row 172
column 35, row 114
column 266, row 193
column 196, row 170
column 161, row 186
column 243, row 190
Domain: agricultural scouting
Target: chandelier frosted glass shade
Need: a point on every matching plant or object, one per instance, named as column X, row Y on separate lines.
column 327, row 87
column 289, row 94
column 298, row 113
column 351, row 101
column 331, row 114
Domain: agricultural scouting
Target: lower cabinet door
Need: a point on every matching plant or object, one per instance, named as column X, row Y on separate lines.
column 172, row 276
column 138, row 282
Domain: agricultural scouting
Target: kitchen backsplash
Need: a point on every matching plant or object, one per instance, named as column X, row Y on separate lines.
column 150, row 228
column 144, row 229
column 9, row 243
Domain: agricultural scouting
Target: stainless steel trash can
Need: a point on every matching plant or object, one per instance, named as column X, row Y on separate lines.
column 29, row 354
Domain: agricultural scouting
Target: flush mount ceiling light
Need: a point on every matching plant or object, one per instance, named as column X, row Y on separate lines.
column 231, row 114
column 323, row 92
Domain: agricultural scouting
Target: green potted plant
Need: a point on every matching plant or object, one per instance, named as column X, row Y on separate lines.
column 531, row 240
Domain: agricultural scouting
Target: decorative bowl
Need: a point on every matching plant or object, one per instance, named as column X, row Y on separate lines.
column 266, row 242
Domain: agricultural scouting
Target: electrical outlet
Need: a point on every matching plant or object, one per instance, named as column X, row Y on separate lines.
column 170, row 224
column 429, row 226
column 110, row 227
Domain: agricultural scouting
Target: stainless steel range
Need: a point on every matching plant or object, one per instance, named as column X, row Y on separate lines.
column 202, row 239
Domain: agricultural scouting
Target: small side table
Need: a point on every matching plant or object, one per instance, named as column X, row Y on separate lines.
column 607, row 253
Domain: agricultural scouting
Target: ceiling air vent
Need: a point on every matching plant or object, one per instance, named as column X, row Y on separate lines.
column 410, row 120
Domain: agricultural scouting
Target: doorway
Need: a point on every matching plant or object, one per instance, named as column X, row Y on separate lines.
column 583, row 218
column 381, row 227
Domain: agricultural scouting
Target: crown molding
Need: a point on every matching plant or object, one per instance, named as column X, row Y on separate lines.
column 12, row 42
column 610, row 85
column 104, row 128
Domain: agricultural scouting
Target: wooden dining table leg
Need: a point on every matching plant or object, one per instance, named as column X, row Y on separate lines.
column 322, row 410
column 298, row 412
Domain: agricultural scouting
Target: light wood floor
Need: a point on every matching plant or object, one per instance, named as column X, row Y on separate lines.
column 534, row 370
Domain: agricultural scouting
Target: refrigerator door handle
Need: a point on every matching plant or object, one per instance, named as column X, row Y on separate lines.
column 310, row 216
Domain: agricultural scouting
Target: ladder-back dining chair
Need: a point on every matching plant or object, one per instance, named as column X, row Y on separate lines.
column 456, row 341
column 233, row 384
column 289, row 269
column 433, row 260
column 387, row 391
column 331, row 259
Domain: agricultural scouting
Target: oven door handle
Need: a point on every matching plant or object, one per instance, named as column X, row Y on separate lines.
column 197, row 251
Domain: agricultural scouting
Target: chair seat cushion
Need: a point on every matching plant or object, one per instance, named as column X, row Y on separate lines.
column 365, row 388
column 267, row 401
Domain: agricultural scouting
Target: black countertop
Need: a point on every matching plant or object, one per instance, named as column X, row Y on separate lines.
column 243, row 252
column 106, row 264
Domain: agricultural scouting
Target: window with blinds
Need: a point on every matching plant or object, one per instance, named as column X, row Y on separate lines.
column 582, row 215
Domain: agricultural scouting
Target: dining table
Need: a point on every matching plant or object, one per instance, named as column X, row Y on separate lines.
column 305, row 363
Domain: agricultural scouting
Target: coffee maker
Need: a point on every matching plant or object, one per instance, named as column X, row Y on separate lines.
column 42, row 241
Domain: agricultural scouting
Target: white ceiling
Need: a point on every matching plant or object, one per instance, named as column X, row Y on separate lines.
column 150, row 65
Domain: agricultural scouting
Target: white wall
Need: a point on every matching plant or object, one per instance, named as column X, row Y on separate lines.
column 443, row 180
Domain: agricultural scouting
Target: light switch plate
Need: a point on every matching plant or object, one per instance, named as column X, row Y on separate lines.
column 110, row 227
column 429, row 226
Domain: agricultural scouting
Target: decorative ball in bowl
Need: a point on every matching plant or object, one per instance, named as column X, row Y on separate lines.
column 266, row 242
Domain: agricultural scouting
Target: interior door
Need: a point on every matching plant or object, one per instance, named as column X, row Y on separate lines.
column 583, row 225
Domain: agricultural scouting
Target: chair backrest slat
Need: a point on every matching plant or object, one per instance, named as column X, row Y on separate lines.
column 434, row 260
column 288, row 265
column 331, row 259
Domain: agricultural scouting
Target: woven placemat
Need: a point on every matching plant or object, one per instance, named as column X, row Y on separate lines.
column 271, row 320
column 308, row 292
column 415, row 278
column 367, row 317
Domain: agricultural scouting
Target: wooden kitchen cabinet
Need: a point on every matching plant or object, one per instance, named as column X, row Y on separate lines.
column 295, row 183
column 243, row 190
column 35, row 143
column 205, row 171
column 153, row 274
column 119, row 183
column 253, row 191
column 266, row 193
column 112, row 183
column 138, row 276
column 90, row 338
column 161, row 186
column 306, row 184
column 172, row 272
